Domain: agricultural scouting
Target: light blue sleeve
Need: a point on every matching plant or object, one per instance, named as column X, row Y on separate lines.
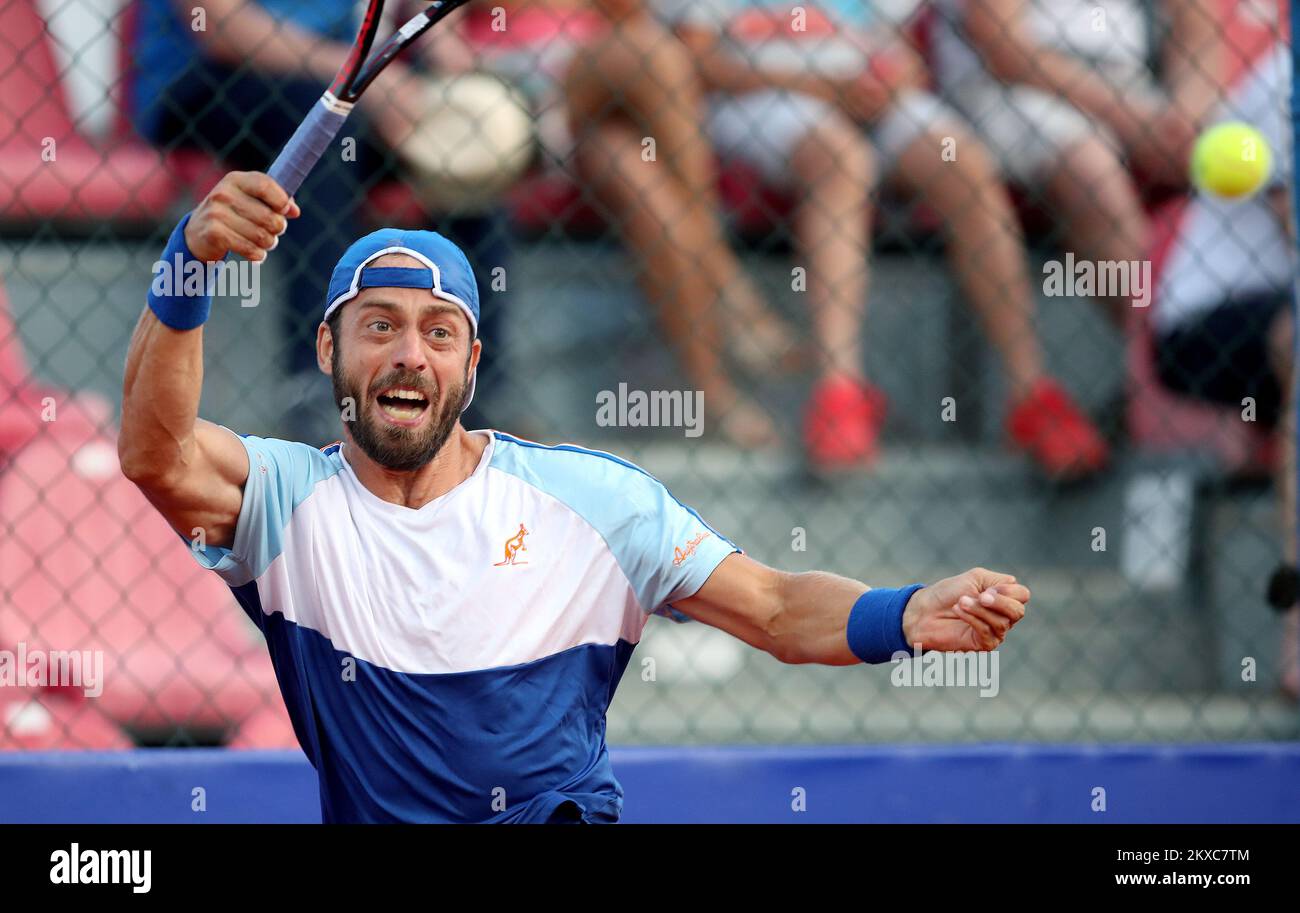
column 664, row 548
column 281, row 474
column 678, row 551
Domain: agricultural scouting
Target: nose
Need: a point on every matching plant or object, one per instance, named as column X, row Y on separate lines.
column 408, row 351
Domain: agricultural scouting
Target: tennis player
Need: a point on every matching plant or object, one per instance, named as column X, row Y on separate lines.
column 449, row 611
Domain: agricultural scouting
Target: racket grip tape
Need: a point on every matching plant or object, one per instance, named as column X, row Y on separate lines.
column 309, row 143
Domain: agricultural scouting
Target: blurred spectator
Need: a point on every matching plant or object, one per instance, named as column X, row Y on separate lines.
column 234, row 78
column 826, row 103
column 638, row 83
column 1065, row 92
column 1222, row 321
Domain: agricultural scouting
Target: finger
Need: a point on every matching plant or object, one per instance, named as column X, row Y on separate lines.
column 1004, row 606
column 1017, row 591
column 245, row 238
column 995, row 600
column 986, row 578
column 262, row 187
column 291, row 210
column 998, row 624
column 262, row 239
column 254, row 210
column 984, row 635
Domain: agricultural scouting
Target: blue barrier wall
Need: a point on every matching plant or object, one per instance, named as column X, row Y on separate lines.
column 1234, row 783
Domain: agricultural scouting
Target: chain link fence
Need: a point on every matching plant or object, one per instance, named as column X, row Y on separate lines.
column 934, row 274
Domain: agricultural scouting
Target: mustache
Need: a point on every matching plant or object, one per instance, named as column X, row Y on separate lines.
column 429, row 390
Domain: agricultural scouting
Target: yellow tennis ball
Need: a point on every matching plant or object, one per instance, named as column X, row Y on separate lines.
column 1231, row 160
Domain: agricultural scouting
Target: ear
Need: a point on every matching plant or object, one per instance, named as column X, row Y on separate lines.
column 475, row 352
column 325, row 348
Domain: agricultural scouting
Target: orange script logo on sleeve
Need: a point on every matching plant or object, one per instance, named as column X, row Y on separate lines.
column 680, row 555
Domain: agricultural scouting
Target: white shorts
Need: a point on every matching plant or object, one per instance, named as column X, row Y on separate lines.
column 763, row 129
column 1027, row 130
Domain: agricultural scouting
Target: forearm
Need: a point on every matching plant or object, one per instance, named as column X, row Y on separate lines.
column 1071, row 79
column 720, row 71
column 1195, row 60
column 160, row 398
column 812, row 624
column 241, row 33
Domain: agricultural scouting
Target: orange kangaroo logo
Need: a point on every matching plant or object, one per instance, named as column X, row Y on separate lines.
column 514, row 545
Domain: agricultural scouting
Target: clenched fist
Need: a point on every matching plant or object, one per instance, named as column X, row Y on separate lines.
column 245, row 213
column 972, row 611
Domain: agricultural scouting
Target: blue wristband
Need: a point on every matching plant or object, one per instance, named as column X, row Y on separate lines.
column 178, row 271
column 875, row 629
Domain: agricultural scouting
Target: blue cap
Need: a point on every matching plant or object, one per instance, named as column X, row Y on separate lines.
column 446, row 273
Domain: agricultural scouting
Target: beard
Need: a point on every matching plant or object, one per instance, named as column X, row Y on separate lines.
column 392, row 446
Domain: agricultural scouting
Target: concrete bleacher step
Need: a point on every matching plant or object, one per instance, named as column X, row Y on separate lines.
column 576, row 324
column 1242, row 527
column 1079, row 635
column 696, row 715
column 1057, row 678
column 969, row 506
column 579, row 325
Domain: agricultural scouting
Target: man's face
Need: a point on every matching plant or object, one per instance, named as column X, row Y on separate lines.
column 400, row 370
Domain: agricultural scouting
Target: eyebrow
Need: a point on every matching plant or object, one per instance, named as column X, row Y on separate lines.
column 436, row 307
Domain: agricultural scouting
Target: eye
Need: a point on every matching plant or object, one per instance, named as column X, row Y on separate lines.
column 378, row 324
column 441, row 333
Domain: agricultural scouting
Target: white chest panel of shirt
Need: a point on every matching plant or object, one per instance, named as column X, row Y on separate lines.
column 495, row 573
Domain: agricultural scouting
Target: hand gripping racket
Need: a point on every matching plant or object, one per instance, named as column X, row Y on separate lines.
column 322, row 123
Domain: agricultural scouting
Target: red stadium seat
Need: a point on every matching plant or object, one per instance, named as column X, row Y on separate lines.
column 88, row 564
column 269, row 727
column 125, row 180
column 35, row 721
column 13, row 362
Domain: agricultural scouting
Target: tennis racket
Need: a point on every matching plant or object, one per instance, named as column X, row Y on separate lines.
column 322, row 123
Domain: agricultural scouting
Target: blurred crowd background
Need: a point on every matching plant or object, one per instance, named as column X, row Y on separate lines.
column 843, row 222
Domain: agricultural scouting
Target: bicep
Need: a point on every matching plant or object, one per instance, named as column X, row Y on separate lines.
column 207, row 493
column 741, row 597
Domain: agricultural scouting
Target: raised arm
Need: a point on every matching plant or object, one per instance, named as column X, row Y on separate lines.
column 191, row 470
column 805, row 618
column 238, row 32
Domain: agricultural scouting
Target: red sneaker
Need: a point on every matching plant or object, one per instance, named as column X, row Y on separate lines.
column 1049, row 426
column 842, row 423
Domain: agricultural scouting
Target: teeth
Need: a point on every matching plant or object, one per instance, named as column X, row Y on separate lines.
column 404, row 394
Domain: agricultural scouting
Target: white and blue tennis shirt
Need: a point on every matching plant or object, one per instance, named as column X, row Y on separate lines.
column 455, row 662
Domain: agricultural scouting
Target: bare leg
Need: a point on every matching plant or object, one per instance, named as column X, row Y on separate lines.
column 834, row 165
column 1100, row 208
column 985, row 247
column 653, row 215
column 643, row 77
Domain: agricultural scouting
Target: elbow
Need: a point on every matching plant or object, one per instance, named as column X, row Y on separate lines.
column 780, row 640
column 139, row 466
column 133, row 466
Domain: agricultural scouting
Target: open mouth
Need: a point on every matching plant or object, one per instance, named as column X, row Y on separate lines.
column 402, row 405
